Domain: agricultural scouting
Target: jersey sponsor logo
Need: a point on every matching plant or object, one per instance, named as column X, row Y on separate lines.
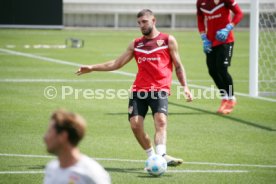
column 213, row 10
column 130, row 109
column 164, row 108
column 214, row 16
column 159, row 42
column 226, row 61
column 148, row 59
column 216, row 2
column 203, row 4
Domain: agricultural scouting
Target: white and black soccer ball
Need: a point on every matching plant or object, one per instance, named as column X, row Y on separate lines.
column 156, row 165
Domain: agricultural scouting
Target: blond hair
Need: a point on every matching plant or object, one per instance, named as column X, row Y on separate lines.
column 71, row 123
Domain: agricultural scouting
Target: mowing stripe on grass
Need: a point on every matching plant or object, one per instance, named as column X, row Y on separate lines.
column 142, row 161
column 207, row 171
column 117, row 72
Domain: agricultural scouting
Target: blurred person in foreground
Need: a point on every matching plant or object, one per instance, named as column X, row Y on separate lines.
column 66, row 130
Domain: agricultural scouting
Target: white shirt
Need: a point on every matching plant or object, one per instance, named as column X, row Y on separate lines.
column 85, row 171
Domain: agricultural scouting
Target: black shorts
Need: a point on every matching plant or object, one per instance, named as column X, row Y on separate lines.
column 221, row 55
column 140, row 101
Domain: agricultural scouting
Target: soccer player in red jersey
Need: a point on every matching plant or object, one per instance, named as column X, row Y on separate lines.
column 218, row 43
column 155, row 54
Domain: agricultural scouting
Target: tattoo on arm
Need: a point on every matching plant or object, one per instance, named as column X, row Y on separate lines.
column 180, row 75
column 179, row 69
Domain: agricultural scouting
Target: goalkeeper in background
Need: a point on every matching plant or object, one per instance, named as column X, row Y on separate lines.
column 218, row 43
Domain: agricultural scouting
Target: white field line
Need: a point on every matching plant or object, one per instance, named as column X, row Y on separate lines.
column 21, row 172
column 194, row 163
column 25, row 155
column 51, row 60
column 61, row 80
column 168, row 171
column 142, row 161
column 20, row 80
column 231, row 165
column 46, row 59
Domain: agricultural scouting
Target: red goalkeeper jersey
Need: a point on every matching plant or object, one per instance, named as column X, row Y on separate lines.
column 217, row 15
column 154, row 64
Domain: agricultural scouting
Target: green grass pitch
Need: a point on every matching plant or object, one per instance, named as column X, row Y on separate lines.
column 242, row 144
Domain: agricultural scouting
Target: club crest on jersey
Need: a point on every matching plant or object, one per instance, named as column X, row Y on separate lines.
column 216, row 1
column 141, row 44
column 160, row 42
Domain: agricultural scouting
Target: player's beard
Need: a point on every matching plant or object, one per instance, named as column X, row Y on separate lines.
column 147, row 31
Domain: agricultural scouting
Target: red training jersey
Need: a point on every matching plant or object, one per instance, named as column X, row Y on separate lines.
column 154, row 64
column 217, row 15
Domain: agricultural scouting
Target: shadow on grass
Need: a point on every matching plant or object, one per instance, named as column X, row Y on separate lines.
column 199, row 111
column 252, row 124
column 170, row 113
column 125, row 170
column 154, row 177
column 142, row 174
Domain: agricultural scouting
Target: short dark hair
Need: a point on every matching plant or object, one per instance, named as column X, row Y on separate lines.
column 71, row 123
column 144, row 12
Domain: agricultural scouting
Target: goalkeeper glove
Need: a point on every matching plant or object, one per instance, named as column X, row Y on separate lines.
column 207, row 44
column 222, row 34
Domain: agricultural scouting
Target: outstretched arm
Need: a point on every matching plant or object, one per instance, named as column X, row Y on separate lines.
column 179, row 69
column 110, row 65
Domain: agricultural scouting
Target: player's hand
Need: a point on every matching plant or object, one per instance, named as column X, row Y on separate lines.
column 188, row 94
column 207, row 44
column 84, row 69
column 222, row 34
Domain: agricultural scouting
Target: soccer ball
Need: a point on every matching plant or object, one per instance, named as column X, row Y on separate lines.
column 156, row 165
